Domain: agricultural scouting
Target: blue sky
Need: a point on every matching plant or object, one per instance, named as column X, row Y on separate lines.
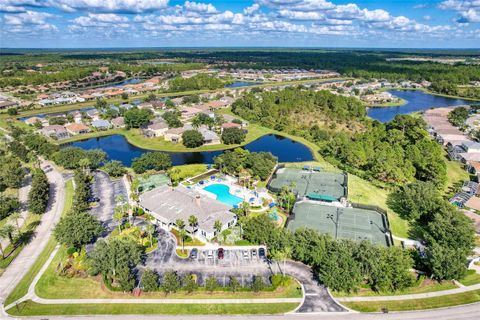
column 279, row 23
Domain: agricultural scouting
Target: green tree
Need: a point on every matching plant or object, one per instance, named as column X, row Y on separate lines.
column 125, row 279
column 172, row 118
column 211, row 284
column 170, row 282
column 149, row 280
column 8, row 206
column 151, row 161
column 193, row 222
column 77, row 229
column 114, row 168
column 233, row 284
column 192, row 139
column 233, row 135
column 258, row 284
column 135, row 118
column 189, row 283
column 217, row 225
column 19, row 150
column 39, row 192
column 11, row 172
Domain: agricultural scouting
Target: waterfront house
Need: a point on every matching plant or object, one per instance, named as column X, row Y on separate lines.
column 56, row 131
column 156, row 129
column 118, row 122
column 209, row 137
column 101, row 124
column 77, row 128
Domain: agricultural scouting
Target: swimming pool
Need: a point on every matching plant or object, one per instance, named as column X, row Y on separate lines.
column 223, row 194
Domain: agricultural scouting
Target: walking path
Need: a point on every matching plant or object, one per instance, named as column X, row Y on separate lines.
column 412, row 296
column 24, row 261
column 23, row 199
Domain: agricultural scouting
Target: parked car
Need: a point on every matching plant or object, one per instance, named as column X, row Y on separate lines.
column 220, row 253
column 210, row 254
column 193, row 253
column 246, row 255
column 261, row 253
column 254, row 252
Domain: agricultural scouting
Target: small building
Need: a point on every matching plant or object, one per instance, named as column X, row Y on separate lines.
column 209, row 137
column 229, row 125
column 77, row 128
column 56, row 131
column 118, row 122
column 175, row 134
column 5, row 104
column 33, row 120
column 101, row 124
column 167, row 204
column 156, row 129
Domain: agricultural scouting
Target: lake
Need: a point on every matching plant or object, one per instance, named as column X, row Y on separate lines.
column 239, row 84
column 416, row 101
column 118, row 148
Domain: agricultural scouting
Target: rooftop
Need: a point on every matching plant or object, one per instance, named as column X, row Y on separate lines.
column 180, row 203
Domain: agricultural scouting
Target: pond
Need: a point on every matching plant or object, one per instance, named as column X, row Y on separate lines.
column 416, row 101
column 118, row 148
column 239, row 84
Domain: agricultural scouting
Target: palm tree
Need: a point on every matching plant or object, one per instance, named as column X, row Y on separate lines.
column 3, row 235
column 217, row 225
column 17, row 215
column 192, row 222
column 118, row 216
column 285, row 254
column 181, row 231
column 151, row 231
column 9, row 229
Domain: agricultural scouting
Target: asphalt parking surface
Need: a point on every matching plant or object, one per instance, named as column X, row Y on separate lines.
column 238, row 265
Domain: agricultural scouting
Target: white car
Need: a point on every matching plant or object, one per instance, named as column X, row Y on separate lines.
column 210, row 254
column 246, row 254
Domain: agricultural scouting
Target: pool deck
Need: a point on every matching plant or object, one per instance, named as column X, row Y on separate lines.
column 238, row 191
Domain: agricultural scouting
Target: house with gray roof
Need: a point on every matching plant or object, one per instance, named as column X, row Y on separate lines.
column 209, row 137
column 101, row 124
column 167, row 204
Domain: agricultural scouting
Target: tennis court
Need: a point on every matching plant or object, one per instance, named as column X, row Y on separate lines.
column 342, row 223
column 305, row 183
column 152, row 182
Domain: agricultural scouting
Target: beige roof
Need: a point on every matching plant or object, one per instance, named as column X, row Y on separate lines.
column 473, row 203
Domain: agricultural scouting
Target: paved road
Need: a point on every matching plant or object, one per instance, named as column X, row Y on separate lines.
column 22, row 263
column 23, row 199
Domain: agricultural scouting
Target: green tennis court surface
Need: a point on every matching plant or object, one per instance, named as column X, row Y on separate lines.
column 328, row 185
column 342, row 223
column 152, row 182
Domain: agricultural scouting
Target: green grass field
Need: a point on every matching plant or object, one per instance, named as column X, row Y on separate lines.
column 416, row 304
column 471, row 278
column 30, row 308
column 22, row 288
column 420, row 288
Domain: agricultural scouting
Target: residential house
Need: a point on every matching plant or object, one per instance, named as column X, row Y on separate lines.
column 156, row 129
column 33, row 120
column 118, row 122
column 209, row 137
column 189, row 113
column 77, row 128
column 101, row 124
column 228, row 125
column 55, row 131
column 175, row 134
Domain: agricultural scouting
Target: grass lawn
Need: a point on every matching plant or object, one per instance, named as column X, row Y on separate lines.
column 455, row 174
column 361, row 191
column 417, row 304
column 30, row 308
column 424, row 286
column 22, row 287
column 471, row 278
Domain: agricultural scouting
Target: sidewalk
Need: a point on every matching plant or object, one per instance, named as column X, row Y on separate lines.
column 412, row 296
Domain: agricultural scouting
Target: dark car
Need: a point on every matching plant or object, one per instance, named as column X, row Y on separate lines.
column 220, row 254
column 193, row 253
column 261, row 253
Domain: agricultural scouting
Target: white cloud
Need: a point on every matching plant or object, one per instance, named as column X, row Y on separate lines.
column 250, row 10
column 119, row 6
column 28, row 21
column 96, row 20
column 468, row 10
column 200, row 7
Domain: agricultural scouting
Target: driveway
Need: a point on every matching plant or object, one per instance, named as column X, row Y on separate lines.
column 475, row 218
column 236, row 264
column 106, row 190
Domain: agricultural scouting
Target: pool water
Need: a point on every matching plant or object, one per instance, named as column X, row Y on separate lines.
column 223, row 194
